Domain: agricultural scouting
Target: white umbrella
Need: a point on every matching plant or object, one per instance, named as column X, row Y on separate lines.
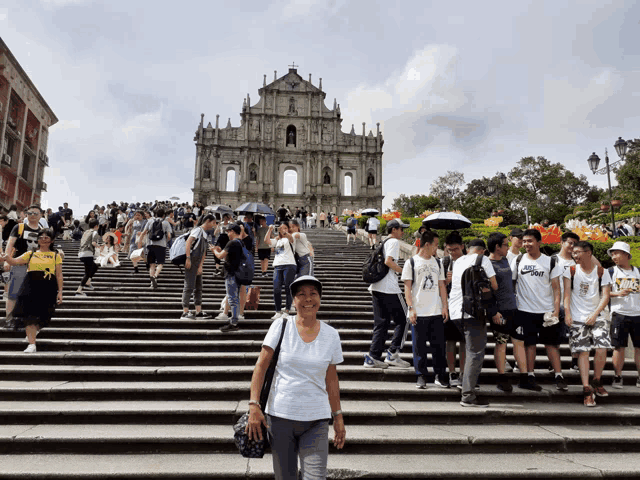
column 446, row 221
column 372, row 212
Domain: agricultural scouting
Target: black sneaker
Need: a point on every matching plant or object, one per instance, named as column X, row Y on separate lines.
column 476, row 402
column 504, row 384
column 188, row 315
column 154, row 283
column 561, row 383
column 528, row 382
column 421, row 383
column 229, row 327
column 202, row 315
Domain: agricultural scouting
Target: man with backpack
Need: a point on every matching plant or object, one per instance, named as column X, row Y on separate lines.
column 158, row 232
column 388, row 305
column 352, row 224
column 426, row 296
column 586, row 294
column 474, row 328
column 625, row 309
column 232, row 256
column 537, row 281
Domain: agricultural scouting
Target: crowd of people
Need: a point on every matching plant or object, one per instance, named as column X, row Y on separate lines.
column 536, row 299
column 144, row 232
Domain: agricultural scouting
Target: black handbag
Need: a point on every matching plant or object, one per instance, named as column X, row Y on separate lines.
column 255, row 448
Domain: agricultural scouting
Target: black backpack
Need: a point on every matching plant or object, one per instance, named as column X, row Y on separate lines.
column 374, row 268
column 157, row 232
column 244, row 273
column 477, row 294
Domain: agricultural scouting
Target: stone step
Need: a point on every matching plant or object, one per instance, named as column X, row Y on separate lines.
column 385, row 439
column 356, row 412
column 192, row 466
column 155, row 388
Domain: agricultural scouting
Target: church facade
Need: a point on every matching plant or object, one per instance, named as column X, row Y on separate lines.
column 289, row 149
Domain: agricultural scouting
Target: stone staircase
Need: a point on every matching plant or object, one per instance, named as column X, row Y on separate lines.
column 122, row 388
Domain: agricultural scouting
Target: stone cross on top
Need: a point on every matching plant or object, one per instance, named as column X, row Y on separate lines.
column 294, row 65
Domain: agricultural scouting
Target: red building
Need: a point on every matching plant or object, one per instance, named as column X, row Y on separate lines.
column 25, row 119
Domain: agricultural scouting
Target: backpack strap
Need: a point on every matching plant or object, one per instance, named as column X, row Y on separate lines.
column 518, row 260
column 600, row 273
column 479, row 260
column 554, row 260
column 572, row 269
column 413, row 271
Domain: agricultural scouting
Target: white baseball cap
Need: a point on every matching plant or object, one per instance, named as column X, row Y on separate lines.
column 620, row 246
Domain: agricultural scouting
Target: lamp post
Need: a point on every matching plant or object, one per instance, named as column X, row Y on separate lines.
column 594, row 160
column 495, row 186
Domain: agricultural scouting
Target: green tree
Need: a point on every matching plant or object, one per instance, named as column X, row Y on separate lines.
column 447, row 188
column 628, row 175
column 548, row 190
column 413, row 205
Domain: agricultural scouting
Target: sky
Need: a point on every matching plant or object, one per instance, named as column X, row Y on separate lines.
column 468, row 86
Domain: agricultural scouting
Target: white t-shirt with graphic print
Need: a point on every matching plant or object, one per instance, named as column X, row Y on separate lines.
column 425, row 291
column 585, row 295
column 629, row 305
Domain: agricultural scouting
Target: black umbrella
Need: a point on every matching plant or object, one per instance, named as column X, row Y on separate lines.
column 254, row 207
column 446, row 221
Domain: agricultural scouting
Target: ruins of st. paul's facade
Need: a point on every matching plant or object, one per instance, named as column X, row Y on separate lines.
column 289, row 133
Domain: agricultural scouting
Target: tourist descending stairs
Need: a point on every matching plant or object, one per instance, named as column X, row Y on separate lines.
column 121, row 387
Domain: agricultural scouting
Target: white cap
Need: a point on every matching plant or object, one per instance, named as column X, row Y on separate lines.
column 620, row 246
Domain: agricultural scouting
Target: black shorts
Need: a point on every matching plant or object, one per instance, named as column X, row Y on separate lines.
column 351, row 231
column 621, row 327
column 374, row 232
column 264, row 253
column 501, row 333
column 452, row 333
column 156, row 254
column 529, row 326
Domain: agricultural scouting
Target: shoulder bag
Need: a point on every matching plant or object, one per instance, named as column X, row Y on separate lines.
column 255, row 448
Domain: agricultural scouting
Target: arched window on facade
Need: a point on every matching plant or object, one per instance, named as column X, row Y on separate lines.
column 253, row 172
column 290, row 182
column 291, row 135
column 371, row 181
column 206, row 171
column 231, row 180
column 348, row 183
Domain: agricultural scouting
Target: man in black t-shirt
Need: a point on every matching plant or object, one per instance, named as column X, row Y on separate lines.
column 189, row 219
column 282, row 213
column 232, row 256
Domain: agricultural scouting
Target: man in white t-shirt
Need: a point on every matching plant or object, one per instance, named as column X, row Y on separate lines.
column 372, row 231
column 516, row 243
column 453, row 249
column 537, row 278
column 426, row 295
column 625, row 309
column 388, row 305
column 586, row 294
column 473, row 329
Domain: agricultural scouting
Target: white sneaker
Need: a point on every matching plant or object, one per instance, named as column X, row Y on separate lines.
column 222, row 316
column 394, row 360
column 240, row 317
column 277, row 315
column 31, row 348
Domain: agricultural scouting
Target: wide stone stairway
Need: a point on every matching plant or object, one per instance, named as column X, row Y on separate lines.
column 121, row 387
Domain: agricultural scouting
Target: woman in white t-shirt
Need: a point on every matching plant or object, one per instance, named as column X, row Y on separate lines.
column 372, row 231
column 284, row 267
column 303, row 249
column 305, row 393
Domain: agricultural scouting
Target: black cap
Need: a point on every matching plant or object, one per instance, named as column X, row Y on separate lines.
column 517, row 232
column 477, row 242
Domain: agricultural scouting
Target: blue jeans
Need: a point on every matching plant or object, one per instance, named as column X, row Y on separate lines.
column 305, row 265
column 231, row 286
column 283, row 275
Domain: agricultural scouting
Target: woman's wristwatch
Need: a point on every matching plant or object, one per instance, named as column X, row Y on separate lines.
column 254, row 402
column 336, row 413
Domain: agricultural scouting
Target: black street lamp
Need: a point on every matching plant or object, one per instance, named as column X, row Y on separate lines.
column 594, row 160
column 496, row 185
